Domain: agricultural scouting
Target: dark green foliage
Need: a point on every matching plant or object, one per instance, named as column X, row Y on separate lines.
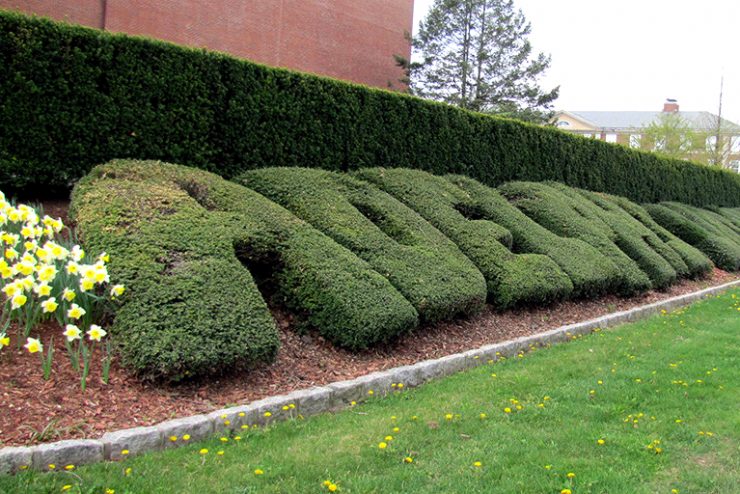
column 570, row 215
column 589, row 271
column 701, row 228
column 424, row 265
column 697, row 264
column 511, row 278
column 178, row 238
column 76, row 97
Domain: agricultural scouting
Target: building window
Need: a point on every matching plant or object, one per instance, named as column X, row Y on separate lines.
column 588, row 136
column 611, row 138
column 711, row 143
column 734, row 166
column 635, row 140
column 563, row 123
column 659, row 144
column 735, row 144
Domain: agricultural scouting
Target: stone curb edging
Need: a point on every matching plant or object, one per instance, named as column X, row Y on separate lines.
column 310, row 401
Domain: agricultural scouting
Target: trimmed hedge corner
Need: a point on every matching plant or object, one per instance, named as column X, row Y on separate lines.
column 424, row 265
column 512, row 279
column 178, row 237
column 75, row 97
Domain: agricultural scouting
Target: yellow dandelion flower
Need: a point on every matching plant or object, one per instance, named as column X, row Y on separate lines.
column 570, row 475
column 220, row 453
column 259, row 471
column 268, row 414
column 408, row 459
column 448, row 416
column 65, row 488
column 477, row 464
column 186, row 437
column 566, row 491
column 124, row 452
column 600, row 442
column 382, row 445
column 507, row 410
column 203, row 451
column 396, row 429
column 173, row 438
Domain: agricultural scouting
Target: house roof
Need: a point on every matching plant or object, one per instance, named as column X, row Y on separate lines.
column 625, row 120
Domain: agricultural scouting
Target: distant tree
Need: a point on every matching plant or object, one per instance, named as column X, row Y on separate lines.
column 475, row 54
column 670, row 135
column 709, row 141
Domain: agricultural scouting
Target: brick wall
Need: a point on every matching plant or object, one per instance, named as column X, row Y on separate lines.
column 353, row 40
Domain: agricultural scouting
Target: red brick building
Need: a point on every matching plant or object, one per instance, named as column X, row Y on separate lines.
column 353, row 40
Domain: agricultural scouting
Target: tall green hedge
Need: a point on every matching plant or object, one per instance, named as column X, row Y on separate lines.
column 179, row 239
column 423, row 264
column 75, row 97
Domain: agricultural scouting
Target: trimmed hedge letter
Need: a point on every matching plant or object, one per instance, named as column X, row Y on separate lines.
column 424, row 265
column 511, row 278
column 180, row 239
column 590, row 272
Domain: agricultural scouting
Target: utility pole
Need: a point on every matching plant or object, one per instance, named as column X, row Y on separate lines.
column 717, row 143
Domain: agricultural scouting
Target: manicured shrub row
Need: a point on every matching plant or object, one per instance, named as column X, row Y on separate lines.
column 424, row 265
column 511, row 278
column 590, row 272
column 703, row 229
column 75, row 97
column 178, row 238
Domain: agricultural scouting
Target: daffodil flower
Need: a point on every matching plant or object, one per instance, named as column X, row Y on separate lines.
column 76, row 312
column 33, row 345
column 50, row 305
column 72, row 332
column 96, row 333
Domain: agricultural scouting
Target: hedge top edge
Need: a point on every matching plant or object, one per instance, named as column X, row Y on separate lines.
column 88, row 96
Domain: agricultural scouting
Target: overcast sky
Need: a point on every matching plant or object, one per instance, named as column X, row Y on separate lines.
column 633, row 54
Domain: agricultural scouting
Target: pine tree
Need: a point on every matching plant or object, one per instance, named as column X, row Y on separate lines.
column 475, row 54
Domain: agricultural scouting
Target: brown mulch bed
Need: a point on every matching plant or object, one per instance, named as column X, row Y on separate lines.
column 33, row 410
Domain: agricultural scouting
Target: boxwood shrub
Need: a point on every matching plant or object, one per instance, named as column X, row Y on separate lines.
column 423, row 264
column 701, row 229
column 75, row 97
column 179, row 238
column 590, row 272
column 511, row 278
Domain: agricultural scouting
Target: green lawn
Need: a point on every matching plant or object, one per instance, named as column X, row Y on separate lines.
column 673, row 379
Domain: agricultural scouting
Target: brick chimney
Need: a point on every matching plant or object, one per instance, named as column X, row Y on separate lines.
column 670, row 106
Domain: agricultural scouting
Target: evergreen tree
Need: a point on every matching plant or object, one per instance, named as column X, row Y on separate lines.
column 475, row 54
